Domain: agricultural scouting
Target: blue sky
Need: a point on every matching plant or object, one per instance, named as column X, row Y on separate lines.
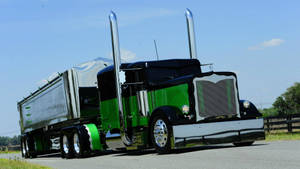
column 259, row 40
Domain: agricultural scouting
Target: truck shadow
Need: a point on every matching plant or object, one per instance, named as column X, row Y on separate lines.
column 152, row 151
column 183, row 150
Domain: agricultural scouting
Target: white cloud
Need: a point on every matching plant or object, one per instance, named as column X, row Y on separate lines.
column 127, row 55
column 270, row 43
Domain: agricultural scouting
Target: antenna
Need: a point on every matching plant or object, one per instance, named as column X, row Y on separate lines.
column 156, row 50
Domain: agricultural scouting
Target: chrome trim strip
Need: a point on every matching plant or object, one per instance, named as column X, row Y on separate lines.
column 216, row 129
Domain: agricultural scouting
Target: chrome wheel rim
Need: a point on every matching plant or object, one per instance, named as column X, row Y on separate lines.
column 160, row 133
column 26, row 146
column 76, row 143
column 65, row 144
column 23, row 148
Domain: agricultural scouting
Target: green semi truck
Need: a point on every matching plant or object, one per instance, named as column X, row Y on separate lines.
column 107, row 105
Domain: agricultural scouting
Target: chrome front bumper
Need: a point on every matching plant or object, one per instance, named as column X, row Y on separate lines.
column 217, row 133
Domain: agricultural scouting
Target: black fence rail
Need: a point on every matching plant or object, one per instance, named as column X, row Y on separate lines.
column 288, row 123
column 10, row 148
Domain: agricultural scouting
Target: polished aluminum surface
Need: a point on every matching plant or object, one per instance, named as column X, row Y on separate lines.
column 160, row 132
column 117, row 63
column 215, row 130
column 114, row 141
column 65, row 144
column 76, row 143
column 214, row 79
column 143, row 102
column 26, row 146
column 23, row 148
column 191, row 34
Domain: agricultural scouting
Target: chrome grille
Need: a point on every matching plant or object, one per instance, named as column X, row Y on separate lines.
column 215, row 97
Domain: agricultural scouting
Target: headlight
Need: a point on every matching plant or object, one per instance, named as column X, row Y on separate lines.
column 185, row 109
column 246, row 104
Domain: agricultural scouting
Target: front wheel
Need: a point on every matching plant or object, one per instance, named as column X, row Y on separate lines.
column 161, row 131
column 243, row 144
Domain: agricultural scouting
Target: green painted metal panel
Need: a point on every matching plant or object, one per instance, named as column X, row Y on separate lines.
column 109, row 114
column 38, row 140
column 95, row 138
column 176, row 96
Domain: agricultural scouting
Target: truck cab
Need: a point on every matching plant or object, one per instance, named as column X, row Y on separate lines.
column 176, row 93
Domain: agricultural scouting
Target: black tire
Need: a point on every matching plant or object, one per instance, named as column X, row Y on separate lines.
column 161, row 142
column 243, row 144
column 78, row 145
column 66, row 146
column 29, row 147
column 23, row 148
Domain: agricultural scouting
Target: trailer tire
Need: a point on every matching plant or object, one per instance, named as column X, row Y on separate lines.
column 29, row 147
column 24, row 148
column 66, row 146
column 241, row 144
column 78, row 145
column 160, row 131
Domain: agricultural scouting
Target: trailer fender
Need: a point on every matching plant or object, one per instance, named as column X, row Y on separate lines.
column 88, row 134
column 94, row 137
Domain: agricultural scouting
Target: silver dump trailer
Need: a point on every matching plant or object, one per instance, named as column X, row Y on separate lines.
column 62, row 98
column 70, row 97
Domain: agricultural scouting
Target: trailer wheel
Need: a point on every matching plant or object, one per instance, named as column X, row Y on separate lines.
column 77, row 145
column 30, row 151
column 161, row 131
column 243, row 144
column 24, row 149
column 66, row 147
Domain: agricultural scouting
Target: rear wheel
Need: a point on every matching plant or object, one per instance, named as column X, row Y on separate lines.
column 66, row 147
column 160, row 134
column 24, row 148
column 30, row 148
column 77, row 145
column 243, row 143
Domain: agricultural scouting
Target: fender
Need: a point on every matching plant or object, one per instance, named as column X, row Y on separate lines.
column 82, row 133
column 173, row 114
column 250, row 112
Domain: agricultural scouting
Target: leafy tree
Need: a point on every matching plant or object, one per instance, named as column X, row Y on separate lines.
column 289, row 102
column 269, row 112
column 5, row 141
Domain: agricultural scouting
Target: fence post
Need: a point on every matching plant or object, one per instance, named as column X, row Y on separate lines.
column 268, row 125
column 289, row 124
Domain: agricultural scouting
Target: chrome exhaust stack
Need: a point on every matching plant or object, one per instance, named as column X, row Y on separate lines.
column 191, row 34
column 117, row 63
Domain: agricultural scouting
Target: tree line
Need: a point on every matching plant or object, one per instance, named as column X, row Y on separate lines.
column 7, row 141
column 286, row 103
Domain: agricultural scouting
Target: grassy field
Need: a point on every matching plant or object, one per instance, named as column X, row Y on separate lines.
column 282, row 136
column 18, row 164
column 9, row 152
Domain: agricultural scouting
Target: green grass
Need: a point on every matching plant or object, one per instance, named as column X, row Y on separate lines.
column 9, row 152
column 282, row 136
column 18, row 164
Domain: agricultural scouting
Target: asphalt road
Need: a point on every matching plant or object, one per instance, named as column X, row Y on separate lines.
column 262, row 155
